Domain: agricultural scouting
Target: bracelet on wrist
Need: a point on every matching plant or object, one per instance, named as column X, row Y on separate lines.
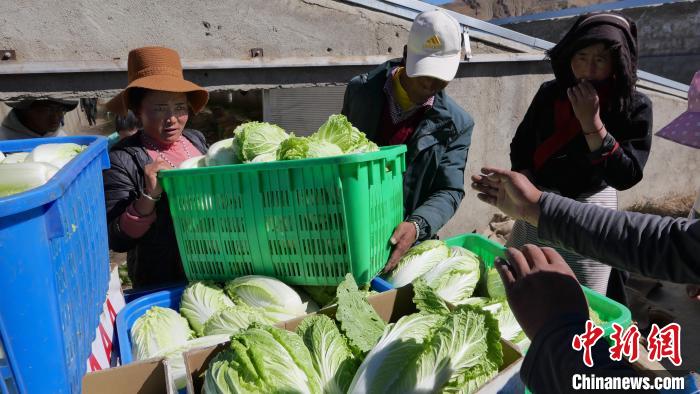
column 417, row 230
column 597, row 131
column 139, row 214
column 148, row 197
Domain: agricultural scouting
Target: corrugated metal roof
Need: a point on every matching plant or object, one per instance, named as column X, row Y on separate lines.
column 410, row 8
column 569, row 12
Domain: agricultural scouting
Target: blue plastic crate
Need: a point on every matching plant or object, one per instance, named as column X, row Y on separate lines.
column 170, row 298
column 55, row 266
column 7, row 380
column 380, row 285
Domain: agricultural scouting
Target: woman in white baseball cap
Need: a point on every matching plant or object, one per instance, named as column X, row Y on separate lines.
column 403, row 102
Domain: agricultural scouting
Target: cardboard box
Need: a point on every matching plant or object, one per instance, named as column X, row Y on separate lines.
column 390, row 306
column 143, row 377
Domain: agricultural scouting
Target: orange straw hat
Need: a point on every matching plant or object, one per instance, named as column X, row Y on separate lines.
column 157, row 68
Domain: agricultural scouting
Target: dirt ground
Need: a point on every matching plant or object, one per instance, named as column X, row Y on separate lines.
column 672, row 297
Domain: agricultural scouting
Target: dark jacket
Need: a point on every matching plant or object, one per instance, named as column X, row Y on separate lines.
column 551, row 363
column 437, row 150
column 153, row 259
column 574, row 169
column 654, row 246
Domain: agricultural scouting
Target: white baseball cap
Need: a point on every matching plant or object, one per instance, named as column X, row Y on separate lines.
column 434, row 46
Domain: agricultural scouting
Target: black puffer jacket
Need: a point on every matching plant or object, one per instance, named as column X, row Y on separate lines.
column 574, row 170
column 153, row 259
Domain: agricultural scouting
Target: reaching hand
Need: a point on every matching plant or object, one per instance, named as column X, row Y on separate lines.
column 404, row 236
column 509, row 191
column 540, row 286
column 150, row 171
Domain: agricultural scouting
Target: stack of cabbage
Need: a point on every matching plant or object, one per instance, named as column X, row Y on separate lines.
column 459, row 277
column 256, row 142
column 26, row 170
column 210, row 314
column 433, row 350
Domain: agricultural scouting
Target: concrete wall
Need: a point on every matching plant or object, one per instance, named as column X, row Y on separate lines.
column 106, row 30
column 496, row 94
column 669, row 43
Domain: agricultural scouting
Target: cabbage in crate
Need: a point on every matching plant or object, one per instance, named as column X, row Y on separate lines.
column 332, row 358
column 13, row 158
column 278, row 301
column 158, row 330
column 223, row 152
column 200, row 301
column 19, row 177
column 297, row 148
column 263, row 359
column 431, row 352
column 58, row 155
column 417, row 261
column 23, row 171
column 235, row 319
column 340, row 132
column 258, row 138
column 177, row 374
column 194, row 162
column 455, row 278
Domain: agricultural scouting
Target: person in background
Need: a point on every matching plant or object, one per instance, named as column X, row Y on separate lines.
column 404, row 102
column 125, row 126
column 541, row 289
column 35, row 118
column 587, row 133
column 138, row 215
column 89, row 106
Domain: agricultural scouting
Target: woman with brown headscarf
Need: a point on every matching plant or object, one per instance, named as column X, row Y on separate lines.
column 138, row 215
column 586, row 134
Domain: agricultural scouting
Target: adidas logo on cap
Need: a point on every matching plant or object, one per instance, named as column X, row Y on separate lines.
column 433, row 43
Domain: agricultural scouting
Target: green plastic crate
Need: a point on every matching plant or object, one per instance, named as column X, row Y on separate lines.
column 305, row 222
column 610, row 311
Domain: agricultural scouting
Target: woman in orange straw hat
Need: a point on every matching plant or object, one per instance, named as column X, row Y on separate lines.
column 138, row 216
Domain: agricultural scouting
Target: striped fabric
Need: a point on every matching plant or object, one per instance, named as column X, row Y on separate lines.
column 590, row 273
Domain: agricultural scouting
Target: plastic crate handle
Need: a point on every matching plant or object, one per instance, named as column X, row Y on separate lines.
column 54, row 221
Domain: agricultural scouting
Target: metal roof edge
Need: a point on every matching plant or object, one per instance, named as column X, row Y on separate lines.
column 408, row 9
column 571, row 12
